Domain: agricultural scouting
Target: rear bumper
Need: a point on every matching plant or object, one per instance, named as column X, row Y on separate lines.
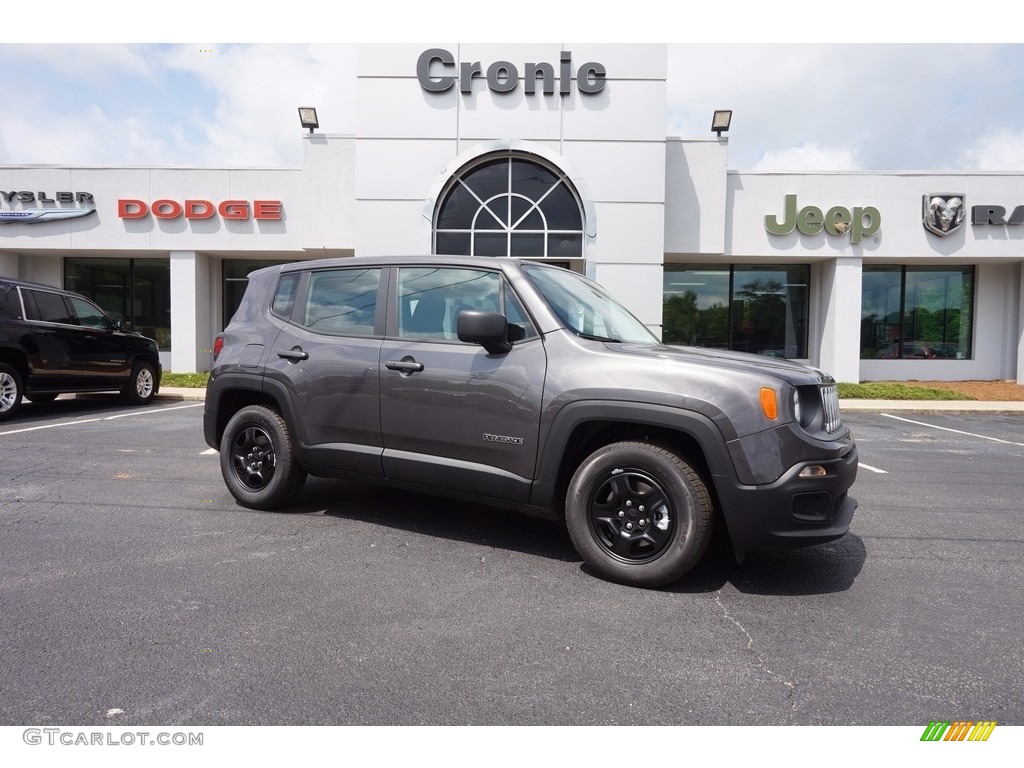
column 793, row 511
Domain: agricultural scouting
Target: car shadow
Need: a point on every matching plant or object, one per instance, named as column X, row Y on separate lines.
column 820, row 569
column 64, row 407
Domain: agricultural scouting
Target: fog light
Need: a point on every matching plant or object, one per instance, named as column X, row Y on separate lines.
column 815, row 470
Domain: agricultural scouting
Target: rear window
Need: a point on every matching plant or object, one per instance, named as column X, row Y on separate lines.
column 10, row 304
column 47, row 307
column 342, row 301
column 284, row 298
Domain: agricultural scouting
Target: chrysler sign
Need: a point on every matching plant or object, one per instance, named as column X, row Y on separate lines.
column 38, row 215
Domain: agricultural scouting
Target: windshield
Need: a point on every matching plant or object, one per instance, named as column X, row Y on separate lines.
column 584, row 308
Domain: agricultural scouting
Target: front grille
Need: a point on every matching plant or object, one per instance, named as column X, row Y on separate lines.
column 830, row 406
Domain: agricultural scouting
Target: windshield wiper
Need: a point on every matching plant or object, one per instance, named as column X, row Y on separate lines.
column 592, row 337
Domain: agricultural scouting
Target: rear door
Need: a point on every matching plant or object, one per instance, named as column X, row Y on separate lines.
column 327, row 356
column 453, row 415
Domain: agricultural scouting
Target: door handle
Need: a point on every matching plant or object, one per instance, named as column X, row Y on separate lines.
column 405, row 366
column 293, row 354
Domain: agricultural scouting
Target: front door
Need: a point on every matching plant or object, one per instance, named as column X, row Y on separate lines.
column 452, row 414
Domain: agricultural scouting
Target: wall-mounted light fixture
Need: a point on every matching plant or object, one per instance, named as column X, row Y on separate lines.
column 307, row 116
column 720, row 121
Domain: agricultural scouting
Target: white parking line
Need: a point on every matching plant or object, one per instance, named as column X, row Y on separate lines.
column 48, row 426
column 153, row 410
column 209, row 452
column 105, row 418
column 957, row 431
column 869, row 468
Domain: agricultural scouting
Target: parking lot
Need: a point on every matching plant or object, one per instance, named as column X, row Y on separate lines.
column 131, row 581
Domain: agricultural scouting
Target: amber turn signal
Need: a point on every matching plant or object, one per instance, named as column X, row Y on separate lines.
column 769, row 404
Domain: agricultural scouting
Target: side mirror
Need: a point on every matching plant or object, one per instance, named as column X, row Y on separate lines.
column 488, row 329
column 118, row 325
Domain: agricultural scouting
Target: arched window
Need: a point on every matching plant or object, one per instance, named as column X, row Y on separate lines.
column 508, row 205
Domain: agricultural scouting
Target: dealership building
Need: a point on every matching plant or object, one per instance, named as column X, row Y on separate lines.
column 557, row 153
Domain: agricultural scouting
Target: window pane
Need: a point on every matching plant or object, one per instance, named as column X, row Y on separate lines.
column 936, row 316
column 151, row 314
column 89, row 315
column 105, row 281
column 696, row 306
column 342, row 301
column 519, row 325
column 770, row 310
column 487, row 244
column 937, row 313
column 534, row 201
column 561, row 209
column 284, row 298
column 48, row 307
column 134, row 291
column 565, row 245
column 453, row 243
column 489, row 179
column 458, row 209
column 527, row 244
column 880, row 312
column 431, row 298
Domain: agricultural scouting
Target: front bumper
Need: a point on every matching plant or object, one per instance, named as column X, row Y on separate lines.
column 792, row 511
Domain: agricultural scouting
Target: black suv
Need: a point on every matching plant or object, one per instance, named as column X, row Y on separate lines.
column 520, row 384
column 54, row 341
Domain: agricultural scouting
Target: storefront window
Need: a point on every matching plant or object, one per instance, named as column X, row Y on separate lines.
column 135, row 291
column 509, row 206
column 916, row 313
column 748, row 308
column 236, row 278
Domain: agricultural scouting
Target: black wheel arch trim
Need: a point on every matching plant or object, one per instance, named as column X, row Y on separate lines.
column 695, row 426
column 267, row 389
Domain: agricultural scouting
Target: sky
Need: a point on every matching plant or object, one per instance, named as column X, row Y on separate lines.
column 859, row 87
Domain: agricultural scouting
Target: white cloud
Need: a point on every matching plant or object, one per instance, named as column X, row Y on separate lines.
column 809, row 157
column 257, row 91
column 999, row 151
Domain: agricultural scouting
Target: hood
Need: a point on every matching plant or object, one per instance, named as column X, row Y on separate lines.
column 796, row 373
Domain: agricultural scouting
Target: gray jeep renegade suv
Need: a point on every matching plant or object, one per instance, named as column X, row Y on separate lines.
column 524, row 385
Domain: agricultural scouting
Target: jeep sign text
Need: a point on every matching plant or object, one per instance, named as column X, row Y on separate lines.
column 837, row 221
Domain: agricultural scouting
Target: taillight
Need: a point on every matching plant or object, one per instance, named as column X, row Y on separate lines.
column 218, row 345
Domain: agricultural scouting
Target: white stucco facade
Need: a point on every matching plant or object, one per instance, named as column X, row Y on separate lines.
column 647, row 203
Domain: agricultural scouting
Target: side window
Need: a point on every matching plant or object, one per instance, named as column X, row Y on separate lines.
column 47, row 307
column 430, row 299
column 284, row 298
column 89, row 315
column 10, row 302
column 342, row 301
column 519, row 325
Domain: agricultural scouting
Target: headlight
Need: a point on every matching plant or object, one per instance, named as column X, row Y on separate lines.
column 797, row 413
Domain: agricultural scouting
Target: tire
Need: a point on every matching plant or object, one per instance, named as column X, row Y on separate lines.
column 141, row 387
column 10, row 391
column 49, row 397
column 258, row 461
column 638, row 514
